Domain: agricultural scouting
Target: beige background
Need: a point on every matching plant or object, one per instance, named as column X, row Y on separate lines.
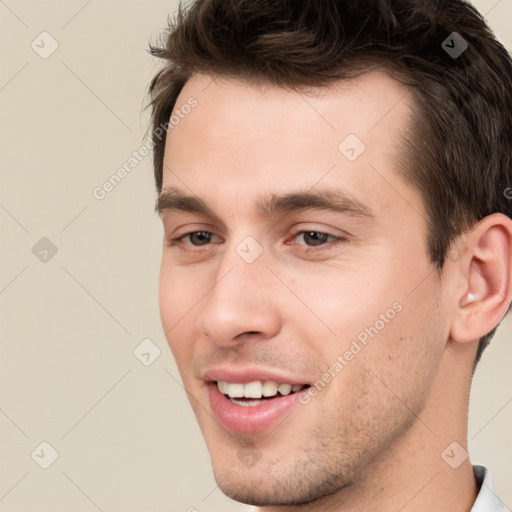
column 124, row 432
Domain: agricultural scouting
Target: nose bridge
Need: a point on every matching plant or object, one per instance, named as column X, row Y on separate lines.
column 241, row 271
column 238, row 300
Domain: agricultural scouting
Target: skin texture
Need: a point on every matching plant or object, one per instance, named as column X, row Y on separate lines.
column 373, row 437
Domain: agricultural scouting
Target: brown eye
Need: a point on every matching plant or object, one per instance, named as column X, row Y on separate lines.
column 315, row 238
column 195, row 239
column 199, row 238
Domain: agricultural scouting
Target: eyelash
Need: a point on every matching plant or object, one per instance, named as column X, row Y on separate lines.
column 173, row 242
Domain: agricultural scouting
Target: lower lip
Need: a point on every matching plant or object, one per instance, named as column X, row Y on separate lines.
column 251, row 419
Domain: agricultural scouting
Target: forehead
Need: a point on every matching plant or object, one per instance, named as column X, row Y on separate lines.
column 360, row 104
column 262, row 138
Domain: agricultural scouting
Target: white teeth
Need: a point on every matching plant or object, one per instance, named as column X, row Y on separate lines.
column 284, row 389
column 251, row 403
column 269, row 388
column 256, row 389
column 253, row 389
column 223, row 387
column 235, row 390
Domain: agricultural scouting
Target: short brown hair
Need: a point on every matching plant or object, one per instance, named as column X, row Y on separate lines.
column 459, row 145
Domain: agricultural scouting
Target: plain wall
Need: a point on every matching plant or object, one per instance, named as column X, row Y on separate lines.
column 124, row 432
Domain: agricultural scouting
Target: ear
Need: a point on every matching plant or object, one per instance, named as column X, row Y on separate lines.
column 486, row 273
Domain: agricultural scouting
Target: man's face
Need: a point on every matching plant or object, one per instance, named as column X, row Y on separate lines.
column 343, row 301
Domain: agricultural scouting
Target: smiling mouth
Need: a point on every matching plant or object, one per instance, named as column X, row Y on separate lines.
column 256, row 392
column 253, row 407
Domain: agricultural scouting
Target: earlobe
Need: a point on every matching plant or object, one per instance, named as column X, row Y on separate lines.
column 487, row 271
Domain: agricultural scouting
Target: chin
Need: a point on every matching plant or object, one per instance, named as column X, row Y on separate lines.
column 275, row 482
column 259, row 492
column 267, row 492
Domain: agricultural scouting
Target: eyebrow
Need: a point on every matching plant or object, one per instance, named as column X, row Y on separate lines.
column 337, row 201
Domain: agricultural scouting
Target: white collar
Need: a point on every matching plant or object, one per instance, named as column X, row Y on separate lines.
column 487, row 499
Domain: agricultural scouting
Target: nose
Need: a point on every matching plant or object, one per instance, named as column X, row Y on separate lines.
column 242, row 303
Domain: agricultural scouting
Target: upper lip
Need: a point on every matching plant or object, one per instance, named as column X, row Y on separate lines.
column 244, row 375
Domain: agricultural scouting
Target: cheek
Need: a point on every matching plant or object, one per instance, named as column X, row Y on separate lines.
column 176, row 302
column 340, row 303
column 167, row 290
column 178, row 291
column 380, row 328
column 404, row 357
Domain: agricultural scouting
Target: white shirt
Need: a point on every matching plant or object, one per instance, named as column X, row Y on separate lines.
column 487, row 499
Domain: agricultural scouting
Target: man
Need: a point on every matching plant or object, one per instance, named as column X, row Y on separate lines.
column 335, row 191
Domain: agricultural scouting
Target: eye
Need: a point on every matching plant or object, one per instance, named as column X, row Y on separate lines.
column 311, row 240
column 317, row 238
column 196, row 238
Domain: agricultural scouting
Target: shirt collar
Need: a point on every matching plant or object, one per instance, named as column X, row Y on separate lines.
column 487, row 499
